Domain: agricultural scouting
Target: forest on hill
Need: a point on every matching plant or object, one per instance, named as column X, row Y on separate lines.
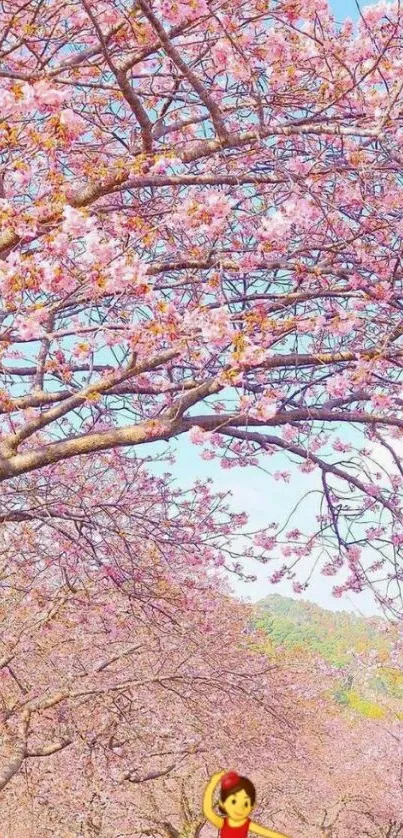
column 295, row 623
column 360, row 650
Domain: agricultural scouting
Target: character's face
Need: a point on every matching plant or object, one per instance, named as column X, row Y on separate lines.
column 238, row 806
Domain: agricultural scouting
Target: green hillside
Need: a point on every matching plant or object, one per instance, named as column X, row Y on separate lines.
column 297, row 625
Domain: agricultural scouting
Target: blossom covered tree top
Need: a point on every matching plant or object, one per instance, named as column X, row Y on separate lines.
column 200, row 231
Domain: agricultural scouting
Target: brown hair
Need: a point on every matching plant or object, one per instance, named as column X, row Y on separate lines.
column 244, row 784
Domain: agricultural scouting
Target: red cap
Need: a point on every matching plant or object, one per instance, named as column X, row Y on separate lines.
column 229, row 780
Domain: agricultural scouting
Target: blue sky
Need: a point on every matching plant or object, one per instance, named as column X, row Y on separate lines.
column 266, row 501
column 347, row 8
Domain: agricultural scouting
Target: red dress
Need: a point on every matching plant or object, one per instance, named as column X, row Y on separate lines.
column 228, row 831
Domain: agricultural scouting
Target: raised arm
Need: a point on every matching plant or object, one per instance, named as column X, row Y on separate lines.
column 264, row 831
column 208, row 810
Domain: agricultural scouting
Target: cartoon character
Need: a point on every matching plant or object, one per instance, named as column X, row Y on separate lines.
column 237, row 799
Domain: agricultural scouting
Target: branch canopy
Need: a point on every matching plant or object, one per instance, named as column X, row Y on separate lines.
column 200, row 230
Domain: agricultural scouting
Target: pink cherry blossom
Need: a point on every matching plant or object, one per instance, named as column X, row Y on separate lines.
column 201, row 255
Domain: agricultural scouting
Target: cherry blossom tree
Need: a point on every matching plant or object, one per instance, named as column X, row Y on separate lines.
column 102, row 696
column 109, row 580
column 200, row 234
column 112, row 513
column 359, row 784
column 85, row 662
column 345, row 775
column 342, row 771
column 200, row 230
column 113, row 717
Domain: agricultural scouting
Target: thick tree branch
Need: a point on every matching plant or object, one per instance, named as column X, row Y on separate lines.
column 153, row 775
column 49, row 748
column 10, row 443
